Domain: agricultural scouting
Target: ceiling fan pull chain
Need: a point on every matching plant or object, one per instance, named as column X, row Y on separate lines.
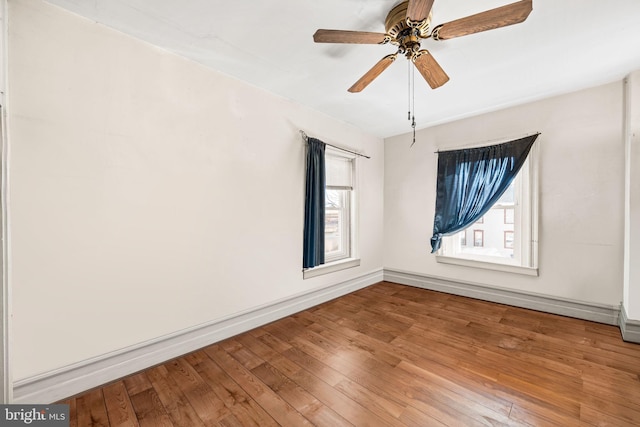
column 409, row 90
column 413, row 93
column 412, row 100
column 413, row 125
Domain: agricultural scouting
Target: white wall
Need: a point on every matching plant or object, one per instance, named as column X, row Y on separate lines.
column 581, row 195
column 632, row 197
column 149, row 194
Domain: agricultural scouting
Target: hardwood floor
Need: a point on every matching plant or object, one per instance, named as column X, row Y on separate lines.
column 389, row 355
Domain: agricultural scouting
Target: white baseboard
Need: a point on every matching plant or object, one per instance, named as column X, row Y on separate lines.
column 70, row 380
column 565, row 307
column 630, row 328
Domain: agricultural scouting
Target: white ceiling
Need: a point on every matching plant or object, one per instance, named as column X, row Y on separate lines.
column 564, row 45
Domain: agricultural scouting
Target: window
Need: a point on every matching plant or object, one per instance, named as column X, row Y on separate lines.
column 506, row 238
column 478, row 238
column 340, row 203
column 508, row 215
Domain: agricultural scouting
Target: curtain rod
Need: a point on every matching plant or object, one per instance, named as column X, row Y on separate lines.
column 306, row 139
column 491, row 142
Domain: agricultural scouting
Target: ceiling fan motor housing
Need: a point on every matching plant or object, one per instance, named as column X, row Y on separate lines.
column 405, row 33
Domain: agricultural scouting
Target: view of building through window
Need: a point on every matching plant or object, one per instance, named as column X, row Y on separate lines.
column 492, row 235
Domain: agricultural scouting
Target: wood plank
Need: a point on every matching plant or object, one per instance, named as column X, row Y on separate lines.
column 247, row 358
column 529, row 413
column 91, row 410
column 593, row 415
column 323, row 389
column 281, row 411
column 242, row 406
column 230, row 421
column 304, row 402
column 137, row 383
column 455, row 392
column 342, row 404
column 150, row 411
column 380, row 404
column 491, row 402
column 173, row 399
column 321, row 370
column 411, row 416
column 119, row 407
column 207, row 405
column 73, row 415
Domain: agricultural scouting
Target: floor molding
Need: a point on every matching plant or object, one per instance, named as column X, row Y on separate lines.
column 565, row 307
column 70, row 380
column 630, row 328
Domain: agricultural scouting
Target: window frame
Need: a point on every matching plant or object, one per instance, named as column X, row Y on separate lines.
column 526, row 218
column 333, row 264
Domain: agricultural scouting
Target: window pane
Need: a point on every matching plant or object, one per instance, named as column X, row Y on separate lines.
column 508, row 198
column 508, row 239
column 509, row 215
column 336, row 228
column 494, row 234
column 478, row 238
column 332, row 235
column 332, row 199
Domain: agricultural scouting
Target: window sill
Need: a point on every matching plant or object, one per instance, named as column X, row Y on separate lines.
column 330, row 267
column 528, row 271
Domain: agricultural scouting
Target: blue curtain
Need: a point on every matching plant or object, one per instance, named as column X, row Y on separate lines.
column 470, row 181
column 313, row 253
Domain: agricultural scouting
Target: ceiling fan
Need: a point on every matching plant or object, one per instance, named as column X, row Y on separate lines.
column 408, row 23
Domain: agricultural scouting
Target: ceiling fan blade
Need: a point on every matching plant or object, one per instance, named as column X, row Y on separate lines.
column 510, row 14
column 343, row 36
column 417, row 10
column 374, row 72
column 430, row 69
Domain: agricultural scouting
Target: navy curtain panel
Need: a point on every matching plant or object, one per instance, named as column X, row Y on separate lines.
column 470, row 181
column 313, row 253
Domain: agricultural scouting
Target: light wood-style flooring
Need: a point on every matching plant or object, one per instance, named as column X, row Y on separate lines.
column 388, row 355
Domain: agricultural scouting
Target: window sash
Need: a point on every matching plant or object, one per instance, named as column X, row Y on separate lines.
column 338, row 227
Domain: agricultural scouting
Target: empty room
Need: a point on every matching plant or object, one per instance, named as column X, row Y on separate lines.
column 367, row 213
